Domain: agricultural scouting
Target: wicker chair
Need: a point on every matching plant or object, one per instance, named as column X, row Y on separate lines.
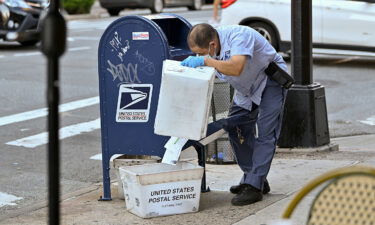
column 348, row 198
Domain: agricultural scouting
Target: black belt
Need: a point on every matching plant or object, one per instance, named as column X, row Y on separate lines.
column 279, row 75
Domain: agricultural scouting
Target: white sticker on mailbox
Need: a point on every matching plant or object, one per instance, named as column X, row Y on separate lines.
column 141, row 36
column 134, row 101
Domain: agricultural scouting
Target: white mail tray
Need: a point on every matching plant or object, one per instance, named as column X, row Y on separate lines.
column 159, row 189
column 184, row 101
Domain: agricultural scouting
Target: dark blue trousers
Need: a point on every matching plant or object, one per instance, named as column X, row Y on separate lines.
column 254, row 143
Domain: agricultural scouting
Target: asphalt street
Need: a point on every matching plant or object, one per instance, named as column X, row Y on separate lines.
column 348, row 79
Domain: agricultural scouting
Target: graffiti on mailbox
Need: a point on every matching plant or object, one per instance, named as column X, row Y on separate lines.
column 118, row 47
column 145, row 64
column 125, row 74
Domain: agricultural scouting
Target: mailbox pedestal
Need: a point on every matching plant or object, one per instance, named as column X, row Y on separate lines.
column 131, row 52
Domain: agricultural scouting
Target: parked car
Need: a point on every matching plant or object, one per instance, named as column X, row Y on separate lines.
column 19, row 20
column 337, row 24
column 156, row 6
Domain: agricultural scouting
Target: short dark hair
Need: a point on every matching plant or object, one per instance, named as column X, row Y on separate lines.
column 200, row 35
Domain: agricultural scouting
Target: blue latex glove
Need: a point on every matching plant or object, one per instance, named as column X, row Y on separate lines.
column 193, row 61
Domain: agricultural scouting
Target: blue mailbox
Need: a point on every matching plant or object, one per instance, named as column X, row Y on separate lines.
column 131, row 53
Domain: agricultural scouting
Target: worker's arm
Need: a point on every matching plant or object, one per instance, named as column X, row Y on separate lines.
column 232, row 67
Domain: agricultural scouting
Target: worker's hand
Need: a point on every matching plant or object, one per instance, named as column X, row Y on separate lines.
column 193, row 61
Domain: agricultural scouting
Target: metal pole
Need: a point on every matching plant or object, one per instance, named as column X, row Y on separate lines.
column 305, row 122
column 53, row 144
column 53, row 46
column 302, row 41
column 214, row 120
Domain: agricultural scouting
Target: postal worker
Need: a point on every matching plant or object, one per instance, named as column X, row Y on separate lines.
column 241, row 57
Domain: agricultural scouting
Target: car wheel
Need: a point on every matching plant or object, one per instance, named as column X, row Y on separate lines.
column 114, row 11
column 157, row 6
column 197, row 5
column 29, row 43
column 266, row 31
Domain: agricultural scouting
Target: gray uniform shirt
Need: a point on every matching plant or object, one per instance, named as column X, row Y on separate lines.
column 243, row 40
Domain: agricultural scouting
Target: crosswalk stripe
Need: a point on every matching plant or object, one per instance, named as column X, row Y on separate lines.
column 7, row 199
column 65, row 132
column 5, row 120
column 71, row 39
column 27, row 54
column 39, row 53
column 79, row 25
column 79, row 48
column 369, row 121
column 99, row 157
column 96, row 157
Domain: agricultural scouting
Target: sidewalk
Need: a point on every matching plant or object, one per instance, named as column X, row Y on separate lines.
column 289, row 172
column 98, row 12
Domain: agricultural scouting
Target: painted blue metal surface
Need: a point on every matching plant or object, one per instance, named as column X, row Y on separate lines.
column 131, row 53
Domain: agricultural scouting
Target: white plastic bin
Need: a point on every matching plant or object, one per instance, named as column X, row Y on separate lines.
column 161, row 189
column 184, row 101
column 130, row 160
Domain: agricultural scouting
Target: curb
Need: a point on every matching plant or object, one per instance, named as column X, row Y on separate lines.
column 325, row 148
column 104, row 14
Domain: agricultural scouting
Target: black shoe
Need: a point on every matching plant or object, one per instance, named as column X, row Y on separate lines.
column 266, row 187
column 247, row 196
column 237, row 188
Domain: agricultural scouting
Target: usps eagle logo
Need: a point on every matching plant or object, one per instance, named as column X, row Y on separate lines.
column 134, row 102
column 134, row 98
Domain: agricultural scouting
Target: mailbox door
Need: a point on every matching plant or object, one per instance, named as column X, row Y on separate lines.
column 131, row 53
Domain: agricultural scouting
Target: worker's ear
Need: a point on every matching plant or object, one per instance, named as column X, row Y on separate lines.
column 212, row 44
column 216, row 44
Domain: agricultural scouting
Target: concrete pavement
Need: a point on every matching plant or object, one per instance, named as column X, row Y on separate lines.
column 289, row 172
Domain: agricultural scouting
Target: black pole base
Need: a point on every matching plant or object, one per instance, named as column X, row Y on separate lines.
column 305, row 122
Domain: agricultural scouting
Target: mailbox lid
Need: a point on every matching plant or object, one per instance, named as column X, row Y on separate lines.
column 176, row 30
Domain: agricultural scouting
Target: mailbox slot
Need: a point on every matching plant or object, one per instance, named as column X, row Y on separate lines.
column 178, row 46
